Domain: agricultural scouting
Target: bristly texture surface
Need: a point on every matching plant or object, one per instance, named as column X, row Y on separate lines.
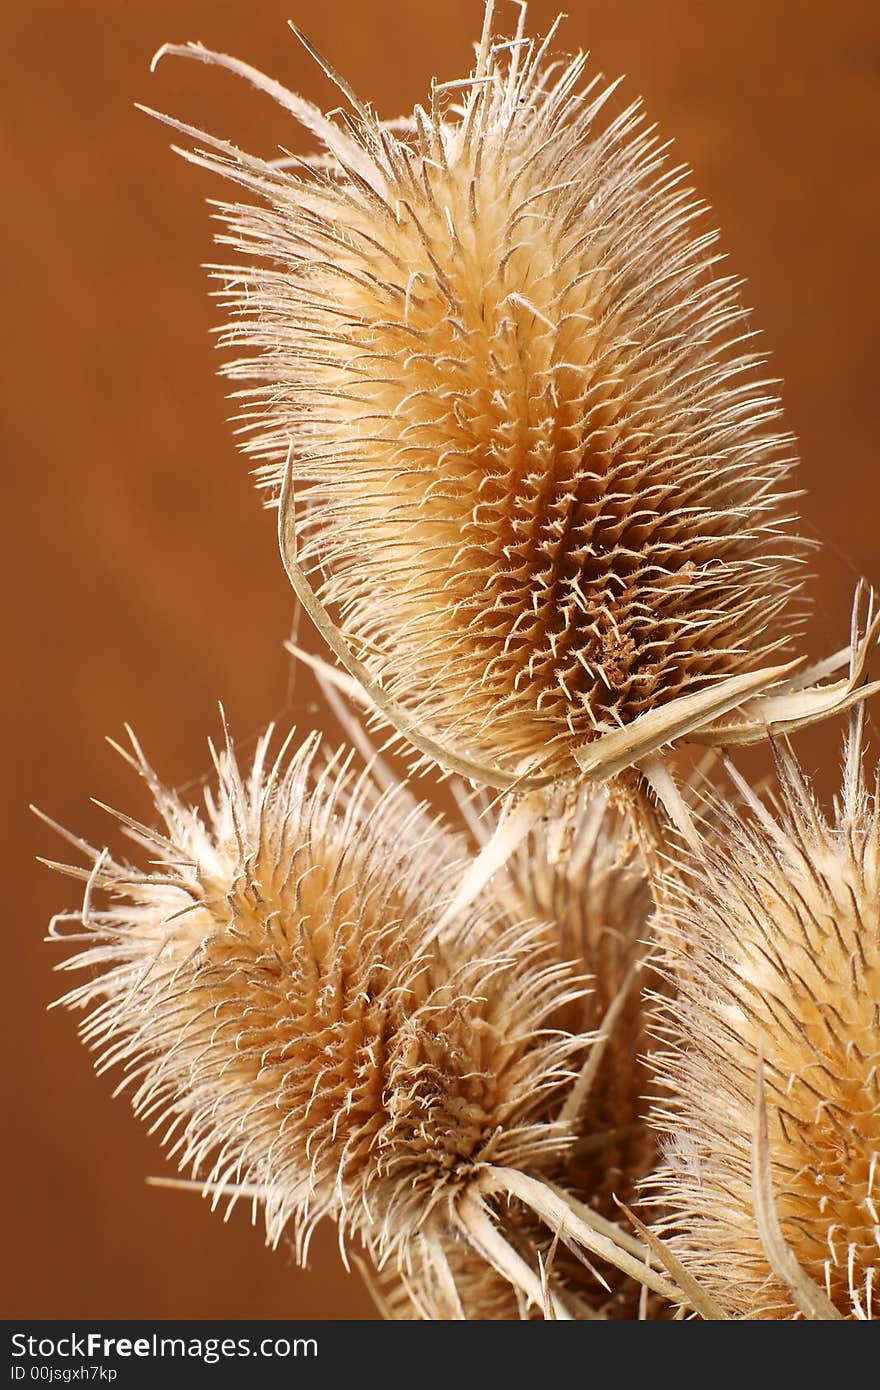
column 538, row 478
column 579, row 874
column 265, row 986
column 775, row 946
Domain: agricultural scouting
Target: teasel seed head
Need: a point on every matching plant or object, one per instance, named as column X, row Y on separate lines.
column 772, row 1071
column 579, row 874
column 270, row 988
column 539, row 483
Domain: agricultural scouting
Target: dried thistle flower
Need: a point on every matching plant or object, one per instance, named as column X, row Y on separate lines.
column 286, row 1011
column 539, row 477
column 772, row 1157
column 532, row 492
column 579, row 871
column 578, row 874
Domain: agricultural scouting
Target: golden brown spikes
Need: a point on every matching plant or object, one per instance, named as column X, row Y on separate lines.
column 580, row 873
column 539, row 480
column 577, row 873
column 264, row 988
column 268, row 990
column 774, row 943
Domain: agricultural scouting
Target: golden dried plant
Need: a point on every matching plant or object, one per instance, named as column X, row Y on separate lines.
column 289, row 1012
column 534, row 493
column 533, row 486
column 579, row 874
column 771, row 1171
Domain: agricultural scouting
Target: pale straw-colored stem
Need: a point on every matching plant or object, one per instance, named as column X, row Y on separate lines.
column 581, row 1227
column 484, row 1236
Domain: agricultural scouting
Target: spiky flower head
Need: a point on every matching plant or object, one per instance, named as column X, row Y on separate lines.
column 283, row 1011
column 773, row 1119
column 539, row 483
column 579, row 872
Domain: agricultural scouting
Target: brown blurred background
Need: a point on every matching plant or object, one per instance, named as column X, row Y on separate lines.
column 141, row 578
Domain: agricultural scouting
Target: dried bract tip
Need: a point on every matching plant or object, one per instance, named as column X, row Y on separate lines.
column 772, row 1155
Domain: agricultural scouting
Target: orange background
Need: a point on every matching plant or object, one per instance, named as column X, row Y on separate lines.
column 141, row 578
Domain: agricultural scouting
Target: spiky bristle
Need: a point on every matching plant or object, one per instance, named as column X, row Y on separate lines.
column 580, row 873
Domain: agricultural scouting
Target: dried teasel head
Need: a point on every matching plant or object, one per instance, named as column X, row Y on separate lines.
column 536, row 492
column 578, row 873
column 285, row 1009
column 266, row 989
column 772, row 1153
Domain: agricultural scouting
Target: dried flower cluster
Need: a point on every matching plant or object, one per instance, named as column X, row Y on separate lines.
column 538, row 475
column 534, row 493
column 291, row 1013
column 595, row 899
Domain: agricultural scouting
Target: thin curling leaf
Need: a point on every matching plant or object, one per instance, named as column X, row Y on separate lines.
column 541, row 492
column 771, row 1057
column 797, row 703
column 611, row 754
